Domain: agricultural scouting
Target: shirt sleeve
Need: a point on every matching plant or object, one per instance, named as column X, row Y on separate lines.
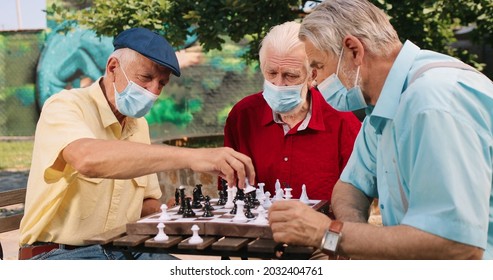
column 61, row 122
column 360, row 171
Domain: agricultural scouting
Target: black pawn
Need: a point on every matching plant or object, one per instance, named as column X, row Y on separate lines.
column 188, row 213
column 207, row 208
column 207, row 204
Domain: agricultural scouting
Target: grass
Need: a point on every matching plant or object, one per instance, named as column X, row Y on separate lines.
column 15, row 155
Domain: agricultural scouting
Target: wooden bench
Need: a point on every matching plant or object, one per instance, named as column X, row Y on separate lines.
column 10, row 219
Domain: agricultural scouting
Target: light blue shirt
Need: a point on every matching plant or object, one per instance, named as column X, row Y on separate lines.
column 425, row 151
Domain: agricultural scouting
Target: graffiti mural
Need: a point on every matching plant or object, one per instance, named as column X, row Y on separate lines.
column 197, row 103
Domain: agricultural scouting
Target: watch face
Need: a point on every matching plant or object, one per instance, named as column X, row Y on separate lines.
column 331, row 240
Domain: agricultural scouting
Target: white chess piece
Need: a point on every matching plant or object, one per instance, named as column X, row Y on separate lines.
column 248, row 188
column 279, row 195
column 231, row 196
column 240, row 214
column 261, row 190
column 164, row 213
column 277, row 185
column 267, row 202
column 161, row 236
column 261, row 220
column 195, row 239
column 287, row 193
column 304, row 197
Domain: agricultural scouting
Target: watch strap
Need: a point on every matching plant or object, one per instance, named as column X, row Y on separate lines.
column 336, row 226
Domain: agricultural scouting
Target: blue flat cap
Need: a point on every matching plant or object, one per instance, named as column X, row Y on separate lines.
column 149, row 44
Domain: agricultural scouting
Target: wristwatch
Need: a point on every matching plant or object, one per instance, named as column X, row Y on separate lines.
column 330, row 241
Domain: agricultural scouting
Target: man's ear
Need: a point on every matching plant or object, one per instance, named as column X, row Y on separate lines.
column 111, row 65
column 355, row 48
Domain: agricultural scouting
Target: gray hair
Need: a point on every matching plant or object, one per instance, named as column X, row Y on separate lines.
column 327, row 25
column 282, row 39
column 125, row 57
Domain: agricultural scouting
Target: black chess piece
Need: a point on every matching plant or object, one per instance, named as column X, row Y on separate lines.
column 254, row 198
column 249, row 200
column 240, row 194
column 196, row 199
column 207, row 208
column 207, row 203
column 223, row 193
column 198, row 188
column 248, row 211
column 183, row 205
column 177, row 197
column 234, row 209
column 188, row 212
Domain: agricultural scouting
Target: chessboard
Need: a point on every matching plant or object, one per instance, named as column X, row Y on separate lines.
column 222, row 223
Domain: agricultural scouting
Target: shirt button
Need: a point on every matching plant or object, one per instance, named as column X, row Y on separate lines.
column 285, row 158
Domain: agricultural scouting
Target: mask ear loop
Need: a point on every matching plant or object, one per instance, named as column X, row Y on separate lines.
column 357, row 76
column 339, row 62
column 128, row 81
column 123, row 72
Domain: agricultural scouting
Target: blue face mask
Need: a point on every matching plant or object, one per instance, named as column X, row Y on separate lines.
column 282, row 99
column 134, row 101
column 338, row 96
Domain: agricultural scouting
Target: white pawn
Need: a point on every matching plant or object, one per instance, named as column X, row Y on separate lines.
column 164, row 214
column 161, row 236
column 231, row 196
column 287, row 193
column 261, row 220
column 267, row 202
column 195, row 239
column 240, row 214
column 304, row 197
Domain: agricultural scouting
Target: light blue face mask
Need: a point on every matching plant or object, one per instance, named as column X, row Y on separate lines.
column 282, row 99
column 134, row 101
column 338, row 96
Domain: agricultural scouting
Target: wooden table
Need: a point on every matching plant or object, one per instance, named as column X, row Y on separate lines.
column 219, row 239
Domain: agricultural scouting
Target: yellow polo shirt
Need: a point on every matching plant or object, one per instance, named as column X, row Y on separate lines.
column 67, row 207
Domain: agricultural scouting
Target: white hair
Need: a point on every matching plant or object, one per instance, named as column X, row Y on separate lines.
column 281, row 39
column 125, row 56
column 327, row 25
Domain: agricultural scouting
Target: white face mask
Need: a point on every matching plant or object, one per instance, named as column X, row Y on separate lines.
column 338, row 96
column 282, row 99
column 134, row 101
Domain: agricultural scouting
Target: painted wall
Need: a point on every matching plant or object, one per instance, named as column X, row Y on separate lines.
column 37, row 65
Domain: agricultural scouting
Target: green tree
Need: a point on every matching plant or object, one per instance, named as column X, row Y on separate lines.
column 429, row 23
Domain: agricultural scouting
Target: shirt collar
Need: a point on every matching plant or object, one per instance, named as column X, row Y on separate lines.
column 107, row 116
column 389, row 98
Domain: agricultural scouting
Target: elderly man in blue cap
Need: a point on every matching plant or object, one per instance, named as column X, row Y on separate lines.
column 93, row 167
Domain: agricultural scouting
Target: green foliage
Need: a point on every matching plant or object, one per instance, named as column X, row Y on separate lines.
column 209, row 20
column 165, row 109
column 222, row 115
column 429, row 23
